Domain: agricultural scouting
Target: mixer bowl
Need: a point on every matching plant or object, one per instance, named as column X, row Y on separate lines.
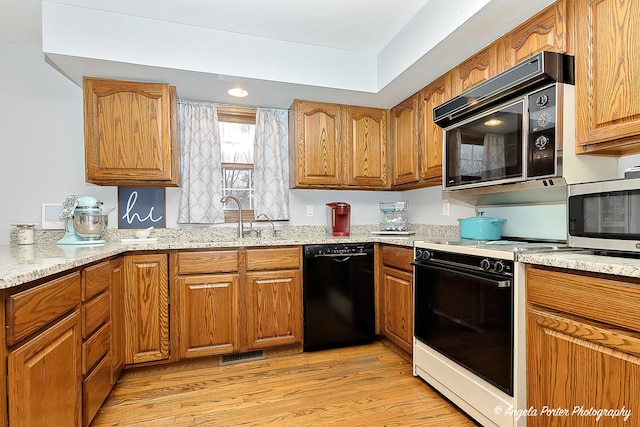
column 90, row 226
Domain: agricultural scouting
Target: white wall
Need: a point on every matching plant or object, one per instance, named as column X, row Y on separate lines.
column 41, row 132
column 42, row 161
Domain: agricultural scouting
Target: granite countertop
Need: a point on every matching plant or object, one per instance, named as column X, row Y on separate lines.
column 585, row 261
column 24, row 263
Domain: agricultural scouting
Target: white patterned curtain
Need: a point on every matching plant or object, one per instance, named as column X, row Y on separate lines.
column 271, row 164
column 200, row 170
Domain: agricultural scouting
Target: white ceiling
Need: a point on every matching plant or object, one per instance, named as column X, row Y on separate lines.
column 367, row 52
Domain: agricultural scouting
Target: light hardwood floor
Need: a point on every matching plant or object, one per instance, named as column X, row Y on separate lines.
column 367, row 385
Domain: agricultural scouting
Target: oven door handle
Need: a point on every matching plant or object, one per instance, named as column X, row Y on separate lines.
column 499, row 281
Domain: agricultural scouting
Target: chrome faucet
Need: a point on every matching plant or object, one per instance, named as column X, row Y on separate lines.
column 273, row 227
column 225, row 199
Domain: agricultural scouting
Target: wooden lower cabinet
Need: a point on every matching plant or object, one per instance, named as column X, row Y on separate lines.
column 232, row 301
column 146, row 308
column 583, row 347
column 274, row 308
column 207, row 314
column 44, row 374
column 397, row 296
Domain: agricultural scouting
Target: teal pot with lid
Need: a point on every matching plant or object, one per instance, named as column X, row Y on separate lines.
column 481, row 228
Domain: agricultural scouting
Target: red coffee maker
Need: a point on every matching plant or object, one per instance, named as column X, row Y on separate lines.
column 338, row 218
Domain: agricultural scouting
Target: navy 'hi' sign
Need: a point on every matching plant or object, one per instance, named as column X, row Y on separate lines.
column 141, row 207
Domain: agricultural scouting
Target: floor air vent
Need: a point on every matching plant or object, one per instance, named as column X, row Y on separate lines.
column 231, row 359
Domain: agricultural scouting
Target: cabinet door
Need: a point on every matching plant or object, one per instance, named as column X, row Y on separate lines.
column 404, row 140
column 573, row 363
column 146, row 308
column 117, row 332
column 608, row 76
column 398, row 307
column 545, row 31
column 207, row 314
column 315, row 143
column 44, row 377
column 274, row 308
column 130, row 133
column 366, row 147
column 431, row 134
column 475, row 70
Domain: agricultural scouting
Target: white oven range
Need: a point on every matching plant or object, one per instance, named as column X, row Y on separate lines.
column 469, row 325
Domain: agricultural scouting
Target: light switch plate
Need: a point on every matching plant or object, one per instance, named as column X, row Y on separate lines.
column 309, row 210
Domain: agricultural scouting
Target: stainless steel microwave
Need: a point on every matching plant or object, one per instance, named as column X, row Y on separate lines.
column 507, row 129
column 604, row 215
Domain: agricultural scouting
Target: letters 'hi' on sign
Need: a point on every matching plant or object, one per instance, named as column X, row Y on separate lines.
column 141, row 207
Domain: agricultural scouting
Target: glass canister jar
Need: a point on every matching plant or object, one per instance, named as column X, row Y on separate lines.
column 26, row 234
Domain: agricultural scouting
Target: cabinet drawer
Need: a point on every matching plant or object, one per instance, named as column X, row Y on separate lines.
column 95, row 313
column 32, row 309
column 400, row 258
column 95, row 389
column 96, row 347
column 207, row 262
column 597, row 297
column 273, row 258
column 96, row 280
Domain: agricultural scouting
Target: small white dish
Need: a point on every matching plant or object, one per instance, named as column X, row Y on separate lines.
column 144, row 233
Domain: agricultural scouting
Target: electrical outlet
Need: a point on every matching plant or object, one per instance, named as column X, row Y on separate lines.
column 309, row 210
column 445, row 208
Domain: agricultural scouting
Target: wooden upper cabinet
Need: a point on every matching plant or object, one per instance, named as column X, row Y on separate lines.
column 430, row 133
column 404, row 142
column 545, row 31
column 366, row 147
column 130, row 133
column 608, row 77
column 314, row 144
column 475, row 70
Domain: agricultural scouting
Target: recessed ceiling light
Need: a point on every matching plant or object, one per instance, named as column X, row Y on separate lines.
column 493, row 122
column 238, row 92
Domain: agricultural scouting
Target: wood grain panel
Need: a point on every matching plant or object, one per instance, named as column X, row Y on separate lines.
column 475, row 70
column 404, row 142
column 608, row 76
column 316, row 143
column 545, row 31
column 273, row 258
column 274, row 312
column 30, row 310
column 397, row 257
column 95, row 313
column 398, row 307
column 96, row 347
column 146, row 308
column 117, row 322
column 44, row 377
column 590, row 296
column 95, row 389
column 130, row 132
column 366, row 147
column 431, row 134
column 200, row 262
column 97, row 278
column 208, row 314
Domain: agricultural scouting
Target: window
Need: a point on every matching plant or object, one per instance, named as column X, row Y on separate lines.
column 237, row 130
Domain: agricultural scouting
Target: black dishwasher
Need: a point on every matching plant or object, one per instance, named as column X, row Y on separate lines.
column 339, row 306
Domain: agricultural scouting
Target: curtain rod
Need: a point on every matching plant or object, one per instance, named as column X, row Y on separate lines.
column 217, row 104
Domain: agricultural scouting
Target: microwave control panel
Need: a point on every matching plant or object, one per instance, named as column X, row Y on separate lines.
column 541, row 150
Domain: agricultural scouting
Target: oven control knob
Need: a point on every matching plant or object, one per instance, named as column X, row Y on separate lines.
column 541, row 142
column 423, row 254
column 498, row 267
column 485, row 264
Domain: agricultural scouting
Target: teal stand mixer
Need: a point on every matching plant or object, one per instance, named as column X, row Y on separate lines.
column 85, row 223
